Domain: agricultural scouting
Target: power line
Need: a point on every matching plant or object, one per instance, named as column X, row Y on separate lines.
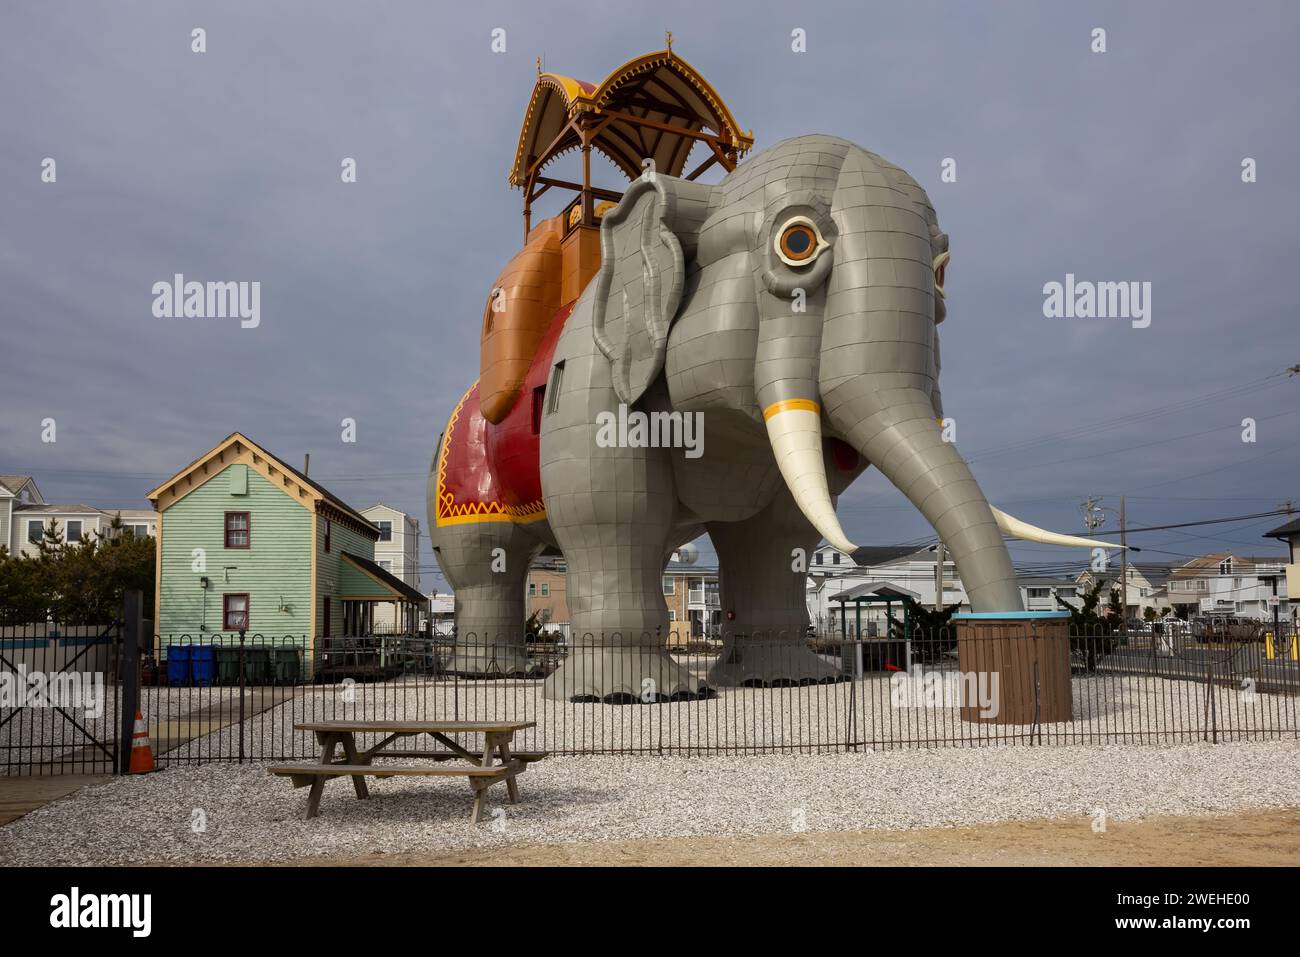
column 1208, row 521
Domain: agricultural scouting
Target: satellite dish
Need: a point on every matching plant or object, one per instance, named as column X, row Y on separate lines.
column 687, row 554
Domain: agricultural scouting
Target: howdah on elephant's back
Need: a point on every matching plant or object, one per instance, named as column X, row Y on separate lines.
column 791, row 309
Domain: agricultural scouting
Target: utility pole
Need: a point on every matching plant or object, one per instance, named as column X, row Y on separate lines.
column 1092, row 514
column 940, row 557
column 1123, row 558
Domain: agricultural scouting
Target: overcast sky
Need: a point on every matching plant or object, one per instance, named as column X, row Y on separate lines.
column 1123, row 165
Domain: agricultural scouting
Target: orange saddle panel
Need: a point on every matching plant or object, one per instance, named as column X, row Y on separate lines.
column 523, row 302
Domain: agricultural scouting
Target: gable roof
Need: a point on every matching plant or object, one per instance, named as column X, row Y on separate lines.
column 659, row 87
column 1282, row 531
column 875, row 589
column 235, row 446
column 1242, row 564
column 13, row 484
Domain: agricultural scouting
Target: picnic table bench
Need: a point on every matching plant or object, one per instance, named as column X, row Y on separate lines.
column 495, row 763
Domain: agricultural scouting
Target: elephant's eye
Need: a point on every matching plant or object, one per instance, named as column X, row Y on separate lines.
column 799, row 242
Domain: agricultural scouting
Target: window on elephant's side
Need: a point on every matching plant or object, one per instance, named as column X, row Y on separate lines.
column 539, row 402
column 557, row 377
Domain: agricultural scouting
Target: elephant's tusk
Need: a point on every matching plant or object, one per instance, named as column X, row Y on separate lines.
column 1014, row 527
column 794, row 427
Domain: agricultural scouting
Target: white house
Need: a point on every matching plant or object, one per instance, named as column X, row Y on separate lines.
column 1228, row 584
column 24, row 514
column 397, row 552
column 908, row 570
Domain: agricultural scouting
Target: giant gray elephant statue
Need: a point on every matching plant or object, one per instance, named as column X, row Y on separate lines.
column 794, row 306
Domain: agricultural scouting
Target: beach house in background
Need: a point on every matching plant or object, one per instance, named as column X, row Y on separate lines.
column 24, row 516
column 248, row 543
column 398, row 552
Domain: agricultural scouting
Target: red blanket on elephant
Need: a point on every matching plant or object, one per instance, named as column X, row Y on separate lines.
column 491, row 473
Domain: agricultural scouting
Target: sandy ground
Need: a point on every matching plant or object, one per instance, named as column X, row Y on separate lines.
column 1255, row 838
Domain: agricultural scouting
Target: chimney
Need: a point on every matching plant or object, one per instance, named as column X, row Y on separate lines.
column 306, row 464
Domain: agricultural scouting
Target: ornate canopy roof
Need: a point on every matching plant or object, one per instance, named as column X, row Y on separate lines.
column 656, row 106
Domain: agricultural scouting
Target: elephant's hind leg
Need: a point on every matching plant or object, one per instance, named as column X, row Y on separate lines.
column 486, row 563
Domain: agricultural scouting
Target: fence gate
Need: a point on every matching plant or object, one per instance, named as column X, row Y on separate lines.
column 63, row 700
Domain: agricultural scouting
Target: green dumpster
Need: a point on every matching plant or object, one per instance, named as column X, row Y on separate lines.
column 286, row 665
column 257, row 666
column 227, row 666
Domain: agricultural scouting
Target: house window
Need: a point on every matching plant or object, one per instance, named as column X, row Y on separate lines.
column 34, row 531
column 836, row 559
column 1038, row 592
column 385, row 531
column 669, row 586
column 546, row 589
column 73, row 531
column 237, row 529
column 234, row 612
column 139, row 531
column 1236, row 583
column 820, row 558
column 327, row 534
column 672, row 615
column 532, row 589
column 1225, row 567
column 386, row 565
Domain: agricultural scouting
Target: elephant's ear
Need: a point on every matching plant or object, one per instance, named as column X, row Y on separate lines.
column 639, row 286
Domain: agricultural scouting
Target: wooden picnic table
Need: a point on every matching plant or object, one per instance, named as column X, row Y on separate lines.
column 495, row 762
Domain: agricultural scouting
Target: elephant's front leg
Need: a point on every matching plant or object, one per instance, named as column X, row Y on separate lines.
column 763, row 562
column 611, row 510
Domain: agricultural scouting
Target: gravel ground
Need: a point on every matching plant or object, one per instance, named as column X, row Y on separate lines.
column 249, row 816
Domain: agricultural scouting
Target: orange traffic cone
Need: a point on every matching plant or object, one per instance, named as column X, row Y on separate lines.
column 141, row 752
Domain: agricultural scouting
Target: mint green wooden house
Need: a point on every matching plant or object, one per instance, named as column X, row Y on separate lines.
column 248, row 543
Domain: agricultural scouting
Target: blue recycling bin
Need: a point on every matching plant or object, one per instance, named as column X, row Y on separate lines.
column 203, row 664
column 178, row 665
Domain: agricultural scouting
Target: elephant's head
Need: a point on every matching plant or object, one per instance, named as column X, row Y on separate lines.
column 838, row 259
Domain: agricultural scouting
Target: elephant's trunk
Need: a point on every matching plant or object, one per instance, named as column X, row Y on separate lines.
column 893, row 426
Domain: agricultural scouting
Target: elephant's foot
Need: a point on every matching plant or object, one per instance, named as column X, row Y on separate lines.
column 488, row 659
column 775, row 662
column 623, row 675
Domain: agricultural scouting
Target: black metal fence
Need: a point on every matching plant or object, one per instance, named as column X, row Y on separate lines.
column 60, row 701
column 238, row 697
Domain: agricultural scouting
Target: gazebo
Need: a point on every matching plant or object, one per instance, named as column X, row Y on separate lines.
column 651, row 110
column 873, row 594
